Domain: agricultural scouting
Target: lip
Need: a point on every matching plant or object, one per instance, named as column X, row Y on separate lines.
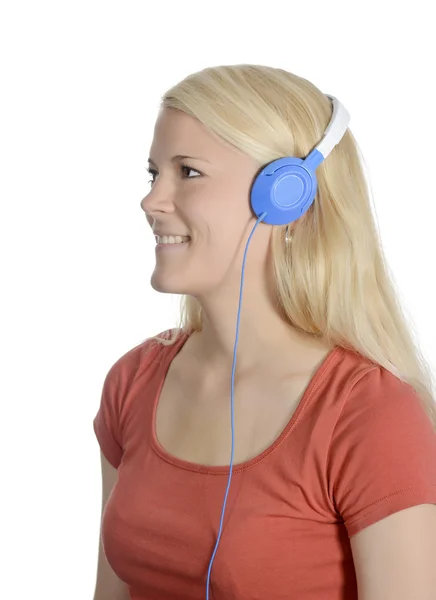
column 162, row 233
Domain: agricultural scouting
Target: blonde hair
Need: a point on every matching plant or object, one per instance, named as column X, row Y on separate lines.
column 332, row 280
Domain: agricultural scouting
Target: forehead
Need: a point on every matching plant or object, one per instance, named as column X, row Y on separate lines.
column 176, row 132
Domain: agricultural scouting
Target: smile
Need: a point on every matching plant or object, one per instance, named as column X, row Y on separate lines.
column 172, row 239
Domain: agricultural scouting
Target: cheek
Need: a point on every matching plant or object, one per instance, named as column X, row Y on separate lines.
column 228, row 212
column 219, row 214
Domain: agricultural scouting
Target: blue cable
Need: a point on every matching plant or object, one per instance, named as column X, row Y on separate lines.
column 262, row 216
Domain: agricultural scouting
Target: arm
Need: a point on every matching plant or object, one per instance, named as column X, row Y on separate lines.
column 108, row 585
column 395, row 558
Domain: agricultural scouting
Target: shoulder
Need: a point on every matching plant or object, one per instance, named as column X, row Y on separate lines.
column 145, row 354
column 376, row 406
column 136, row 367
column 362, row 386
column 375, row 394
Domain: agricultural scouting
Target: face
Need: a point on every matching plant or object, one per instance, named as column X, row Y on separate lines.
column 207, row 199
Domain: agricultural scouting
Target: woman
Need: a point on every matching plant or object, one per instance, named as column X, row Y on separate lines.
column 333, row 486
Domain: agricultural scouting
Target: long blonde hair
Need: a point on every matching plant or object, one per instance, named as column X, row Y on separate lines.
column 333, row 281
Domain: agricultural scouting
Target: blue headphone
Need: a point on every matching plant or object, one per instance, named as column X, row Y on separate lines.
column 281, row 193
column 286, row 187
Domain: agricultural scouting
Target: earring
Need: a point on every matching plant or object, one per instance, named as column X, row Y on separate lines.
column 288, row 235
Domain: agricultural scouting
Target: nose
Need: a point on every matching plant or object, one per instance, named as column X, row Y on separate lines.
column 156, row 203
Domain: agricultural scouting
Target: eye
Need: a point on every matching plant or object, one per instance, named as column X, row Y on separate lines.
column 184, row 169
column 187, row 168
column 153, row 173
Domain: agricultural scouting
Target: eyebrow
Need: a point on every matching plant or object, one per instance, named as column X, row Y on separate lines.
column 178, row 157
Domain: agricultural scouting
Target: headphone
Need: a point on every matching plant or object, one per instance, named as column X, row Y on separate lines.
column 281, row 193
column 286, row 187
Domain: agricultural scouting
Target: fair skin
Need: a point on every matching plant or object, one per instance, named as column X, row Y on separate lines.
column 394, row 557
column 210, row 202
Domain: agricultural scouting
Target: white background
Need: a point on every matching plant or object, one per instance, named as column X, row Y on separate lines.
column 80, row 87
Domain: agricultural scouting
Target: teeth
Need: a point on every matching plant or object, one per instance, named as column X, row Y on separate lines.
column 172, row 239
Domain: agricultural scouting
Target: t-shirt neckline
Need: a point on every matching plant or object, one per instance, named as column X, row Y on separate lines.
column 225, row 469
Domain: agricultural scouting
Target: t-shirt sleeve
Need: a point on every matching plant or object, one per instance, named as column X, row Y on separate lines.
column 106, row 422
column 109, row 423
column 382, row 456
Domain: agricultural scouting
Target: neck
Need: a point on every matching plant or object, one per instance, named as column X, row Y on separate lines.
column 265, row 336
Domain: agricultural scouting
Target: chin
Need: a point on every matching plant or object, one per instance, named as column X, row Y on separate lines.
column 167, row 285
column 176, row 285
column 162, row 285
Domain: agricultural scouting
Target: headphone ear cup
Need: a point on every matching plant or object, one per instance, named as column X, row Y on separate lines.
column 284, row 190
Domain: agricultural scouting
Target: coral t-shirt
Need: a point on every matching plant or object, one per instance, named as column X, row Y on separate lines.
column 358, row 448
